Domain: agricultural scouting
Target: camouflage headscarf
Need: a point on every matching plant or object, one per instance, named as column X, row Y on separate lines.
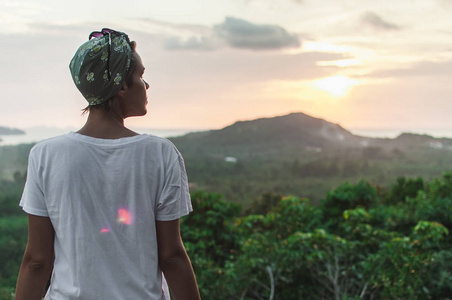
column 107, row 50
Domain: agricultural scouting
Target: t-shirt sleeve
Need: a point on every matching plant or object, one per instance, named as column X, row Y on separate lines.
column 174, row 201
column 33, row 200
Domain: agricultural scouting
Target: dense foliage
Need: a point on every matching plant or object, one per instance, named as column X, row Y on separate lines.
column 13, row 233
column 361, row 242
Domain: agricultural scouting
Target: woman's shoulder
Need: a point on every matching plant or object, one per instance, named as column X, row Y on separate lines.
column 52, row 141
column 157, row 140
column 50, row 146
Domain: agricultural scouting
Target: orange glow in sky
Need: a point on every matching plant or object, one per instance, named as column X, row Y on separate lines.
column 336, row 86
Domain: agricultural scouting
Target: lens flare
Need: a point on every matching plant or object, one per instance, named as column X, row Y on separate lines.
column 125, row 216
column 105, row 229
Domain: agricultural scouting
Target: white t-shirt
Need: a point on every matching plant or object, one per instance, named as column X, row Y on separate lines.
column 103, row 197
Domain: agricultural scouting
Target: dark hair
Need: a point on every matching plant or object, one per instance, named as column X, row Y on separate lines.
column 106, row 105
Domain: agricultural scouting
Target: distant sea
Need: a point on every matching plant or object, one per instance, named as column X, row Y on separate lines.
column 393, row 133
column 36, row 134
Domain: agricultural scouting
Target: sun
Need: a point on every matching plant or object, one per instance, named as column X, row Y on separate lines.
column 336, row 86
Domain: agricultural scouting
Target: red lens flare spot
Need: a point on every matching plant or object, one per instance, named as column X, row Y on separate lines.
column 125, row 216
column 105, row 229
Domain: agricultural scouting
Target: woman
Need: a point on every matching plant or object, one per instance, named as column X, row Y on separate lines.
column 104, row 202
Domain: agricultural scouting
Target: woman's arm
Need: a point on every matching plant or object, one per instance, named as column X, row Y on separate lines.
column 37, row 263
column 174, row 262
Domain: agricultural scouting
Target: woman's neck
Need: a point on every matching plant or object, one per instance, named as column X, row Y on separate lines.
column 105, row 124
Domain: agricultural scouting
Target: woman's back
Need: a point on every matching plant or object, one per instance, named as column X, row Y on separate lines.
column 103, row 198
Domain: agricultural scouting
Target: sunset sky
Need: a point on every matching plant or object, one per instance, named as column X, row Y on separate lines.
column 359, row 63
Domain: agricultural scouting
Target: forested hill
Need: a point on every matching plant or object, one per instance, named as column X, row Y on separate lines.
column 304, row 156
column 293, row 130
column 289, row 134
column 10, row 131
column 296, row 128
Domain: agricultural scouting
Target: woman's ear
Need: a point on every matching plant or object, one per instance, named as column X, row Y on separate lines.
column 124, row 86
column 123, row 89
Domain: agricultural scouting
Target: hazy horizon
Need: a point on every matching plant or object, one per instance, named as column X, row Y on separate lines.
column 368, row 131
column 37, row 133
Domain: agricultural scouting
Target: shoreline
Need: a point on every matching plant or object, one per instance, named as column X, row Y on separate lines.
column 36, row 134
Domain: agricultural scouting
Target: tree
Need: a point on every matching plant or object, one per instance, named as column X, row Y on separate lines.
column 210, row 239
column 402, row 264
column 13, row 239
column 347, row 196
column 403, row 189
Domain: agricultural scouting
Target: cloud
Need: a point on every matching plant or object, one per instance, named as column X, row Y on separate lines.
column 192, row 43
column 375, row 21
column 421, row 69
column 163, row 26
column 239, row 33
column 233, row 32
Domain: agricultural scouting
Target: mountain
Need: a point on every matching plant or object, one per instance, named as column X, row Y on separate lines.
column 412, row 140
column 296, row 127
column 10, row 131
column 282, row 135
column 267, row 137
column 300, row 155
